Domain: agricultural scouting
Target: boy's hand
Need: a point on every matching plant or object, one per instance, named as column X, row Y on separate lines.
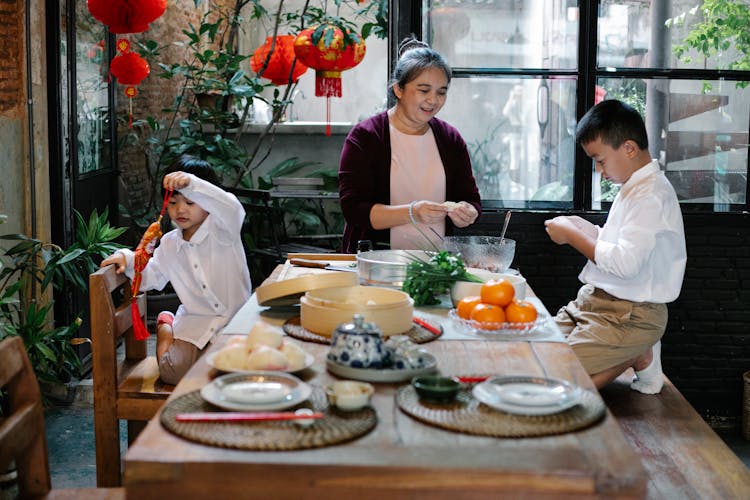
column 176, row 181
column 560, row 229
column 463, row 214
column 118, row 260
column 573, row 231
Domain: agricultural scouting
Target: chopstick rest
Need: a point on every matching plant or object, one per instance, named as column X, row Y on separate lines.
column 435, row 330
column 244, row 416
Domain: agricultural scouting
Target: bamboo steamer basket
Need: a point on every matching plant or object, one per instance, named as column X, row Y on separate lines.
column 322, row 310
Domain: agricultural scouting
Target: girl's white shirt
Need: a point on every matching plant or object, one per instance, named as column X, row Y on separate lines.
column 209, row 273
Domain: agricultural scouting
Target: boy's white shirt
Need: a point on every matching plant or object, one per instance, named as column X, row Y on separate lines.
column 640, row 251
column 209, row 273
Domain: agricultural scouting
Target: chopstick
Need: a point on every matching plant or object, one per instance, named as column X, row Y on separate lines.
column 471, row 380
column 427, row 326
column 244, row 416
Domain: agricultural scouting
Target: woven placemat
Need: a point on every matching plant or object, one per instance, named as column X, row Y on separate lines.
column 469, row 416
column 335, row 427
column 293, row 328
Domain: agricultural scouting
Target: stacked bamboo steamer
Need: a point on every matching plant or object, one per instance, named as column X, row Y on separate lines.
column 322, row 310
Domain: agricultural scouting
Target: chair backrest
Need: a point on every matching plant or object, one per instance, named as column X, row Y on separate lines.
column 110, row 301
column 22, row 437
column 263, row 221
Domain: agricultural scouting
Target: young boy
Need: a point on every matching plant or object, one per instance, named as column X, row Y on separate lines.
column 636, row 260
column 204, row 260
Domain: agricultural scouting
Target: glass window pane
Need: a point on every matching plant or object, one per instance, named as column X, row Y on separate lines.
column 507, row 34
column 92, row 101
column 520, row 136
column 657, row 35
column 699, row 132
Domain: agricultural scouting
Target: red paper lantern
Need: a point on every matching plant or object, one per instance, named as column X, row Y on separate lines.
column 280, row 64
column 328, row 61
column 129, row 68
column 127, row 16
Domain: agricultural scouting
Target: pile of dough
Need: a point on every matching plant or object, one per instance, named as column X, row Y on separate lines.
column 450, row 205
column 264, row 348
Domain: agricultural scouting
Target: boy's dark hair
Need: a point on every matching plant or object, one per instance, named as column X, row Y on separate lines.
column 614, row 122
column 193, row 165
column 415, row 56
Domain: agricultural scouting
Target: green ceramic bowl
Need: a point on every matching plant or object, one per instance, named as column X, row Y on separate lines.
column 436, row 388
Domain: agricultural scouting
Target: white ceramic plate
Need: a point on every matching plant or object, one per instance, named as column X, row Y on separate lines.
column 256, row 391
column 210, row 359
column 528, row 395
column 382, row 375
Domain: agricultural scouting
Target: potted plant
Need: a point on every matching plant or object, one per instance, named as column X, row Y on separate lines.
column 28, row 269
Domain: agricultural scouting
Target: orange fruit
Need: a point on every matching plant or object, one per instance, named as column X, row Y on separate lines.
column 489, row 316
column 520, row 311
column 499, row 292
column 466, row 305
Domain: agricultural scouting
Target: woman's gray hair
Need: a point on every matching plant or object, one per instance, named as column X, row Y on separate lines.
column 415, row 56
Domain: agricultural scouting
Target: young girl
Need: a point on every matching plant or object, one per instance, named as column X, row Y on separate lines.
column 203, row 259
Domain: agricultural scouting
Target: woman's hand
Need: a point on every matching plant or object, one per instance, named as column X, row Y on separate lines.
column 118, row 260
column 428, row 212
column 463, row 214
column 176, row 181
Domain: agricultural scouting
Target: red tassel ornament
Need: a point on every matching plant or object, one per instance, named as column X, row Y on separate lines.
column 143, row 253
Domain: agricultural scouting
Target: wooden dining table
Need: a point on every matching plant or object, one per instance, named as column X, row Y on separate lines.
column 401, row 457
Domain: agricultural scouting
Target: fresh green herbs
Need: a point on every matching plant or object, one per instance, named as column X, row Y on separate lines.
column 427, row 279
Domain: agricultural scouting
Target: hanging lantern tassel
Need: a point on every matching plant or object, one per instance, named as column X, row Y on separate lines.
column 130, row 92
column 129, row 68
column 328, row 61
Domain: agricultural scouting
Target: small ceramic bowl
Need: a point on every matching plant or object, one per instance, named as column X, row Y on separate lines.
column 349, row 395
column 436, row 388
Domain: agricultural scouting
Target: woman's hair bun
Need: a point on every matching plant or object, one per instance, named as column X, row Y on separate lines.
column 410, row 43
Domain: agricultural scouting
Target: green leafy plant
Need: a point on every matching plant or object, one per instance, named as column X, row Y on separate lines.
column 27, row 270
column 718, row 26
column 214, row 95
column 426, row 279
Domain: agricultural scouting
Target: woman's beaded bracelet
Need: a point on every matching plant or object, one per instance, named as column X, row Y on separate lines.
column 411, row 213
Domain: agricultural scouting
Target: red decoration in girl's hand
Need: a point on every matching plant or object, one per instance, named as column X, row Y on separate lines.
column 143, row 253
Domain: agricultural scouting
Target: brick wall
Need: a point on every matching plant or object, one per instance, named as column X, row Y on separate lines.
column 706, row 347
column 11, row 47
column 154, row 94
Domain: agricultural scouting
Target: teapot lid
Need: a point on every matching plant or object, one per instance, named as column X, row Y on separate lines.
column 359, row 325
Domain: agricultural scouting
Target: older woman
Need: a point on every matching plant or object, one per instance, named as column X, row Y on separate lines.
column 404, row 171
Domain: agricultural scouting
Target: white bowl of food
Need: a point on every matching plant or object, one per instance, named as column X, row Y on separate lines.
column 461, row 289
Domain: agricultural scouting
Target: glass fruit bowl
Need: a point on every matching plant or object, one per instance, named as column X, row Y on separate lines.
column 496, row 329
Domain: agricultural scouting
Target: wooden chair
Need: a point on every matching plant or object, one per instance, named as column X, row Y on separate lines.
column 22, row 437
column 129, row 389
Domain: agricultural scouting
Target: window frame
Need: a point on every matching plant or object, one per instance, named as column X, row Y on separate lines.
column 405, row 17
